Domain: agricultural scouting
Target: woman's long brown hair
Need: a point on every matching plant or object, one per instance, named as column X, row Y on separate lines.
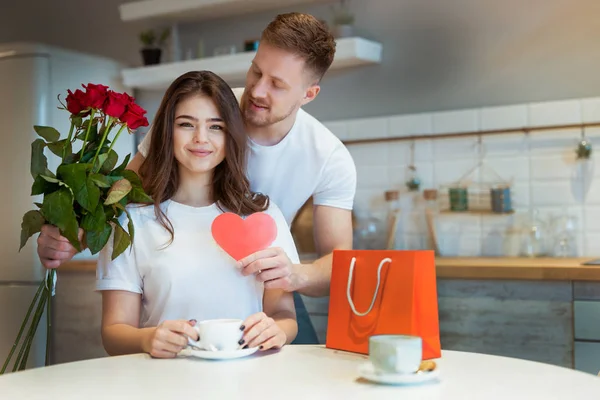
column 160, row 171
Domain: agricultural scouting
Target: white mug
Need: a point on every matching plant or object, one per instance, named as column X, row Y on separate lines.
column 218, row 334
column 396, row 354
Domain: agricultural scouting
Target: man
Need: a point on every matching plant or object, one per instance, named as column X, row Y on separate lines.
column 292, row 157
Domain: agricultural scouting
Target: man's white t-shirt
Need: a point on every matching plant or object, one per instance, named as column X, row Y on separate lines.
column 309, row 161
column 192, row 278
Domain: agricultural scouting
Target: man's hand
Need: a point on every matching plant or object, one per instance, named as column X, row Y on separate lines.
column 271, row 266
column 53, row 248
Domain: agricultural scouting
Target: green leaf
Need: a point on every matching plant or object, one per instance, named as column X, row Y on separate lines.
column 113, row 179
column 47, row 132
column 137, row 195
column 130, row 227
column 38, row 204
column 118, row 191
column 100, row 160
column 110, row 162
column 58, row 210
column 92, row 135
column 121, row 168
column 77, row 121
column 42, row 186
column 132, row 177
column 71, row 158
column 60, row 146
column 121, row 241
column 39, row 162
column 96, row 240
column 32, row 224
column 94, row 221
column 100, row 180
column 86, row 192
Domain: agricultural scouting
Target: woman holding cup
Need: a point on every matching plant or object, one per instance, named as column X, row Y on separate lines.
column 175, row 272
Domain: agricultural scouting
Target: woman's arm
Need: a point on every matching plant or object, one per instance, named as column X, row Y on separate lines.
column 121, row 333
column 120, row 319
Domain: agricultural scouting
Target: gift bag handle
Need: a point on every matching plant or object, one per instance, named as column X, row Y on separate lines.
column 362, row 314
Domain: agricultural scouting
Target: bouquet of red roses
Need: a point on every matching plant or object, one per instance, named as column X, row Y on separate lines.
column 86, row 191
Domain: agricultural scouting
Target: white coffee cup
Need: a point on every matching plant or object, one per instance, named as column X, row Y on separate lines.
column 395, row 354
column 218, row 334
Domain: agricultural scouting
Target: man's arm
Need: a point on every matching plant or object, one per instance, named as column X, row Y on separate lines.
column 332, row 230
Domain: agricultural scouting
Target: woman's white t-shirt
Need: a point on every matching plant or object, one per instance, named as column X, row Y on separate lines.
column 192, row 278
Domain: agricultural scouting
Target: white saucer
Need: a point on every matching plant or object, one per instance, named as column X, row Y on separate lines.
column 367, row 371
column 220, row 355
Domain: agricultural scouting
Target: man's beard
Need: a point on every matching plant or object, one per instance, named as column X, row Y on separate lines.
column 253, row 119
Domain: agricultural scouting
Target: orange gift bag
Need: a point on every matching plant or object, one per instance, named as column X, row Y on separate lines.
column 377, row 292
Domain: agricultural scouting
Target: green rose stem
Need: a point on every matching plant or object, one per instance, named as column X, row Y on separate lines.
column 14, row 346
column 50, row 281
column 104, row 135
column 32, row 330
column 87, row 132
column 68, row 138
column 116, row 137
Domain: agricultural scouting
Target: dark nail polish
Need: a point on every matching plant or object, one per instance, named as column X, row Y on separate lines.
column 193, row 320
column 242, row 327
column 260, row 347
column 241, row 342
column 245, row 347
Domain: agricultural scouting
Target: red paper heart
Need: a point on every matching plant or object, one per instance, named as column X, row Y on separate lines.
column 242, row 237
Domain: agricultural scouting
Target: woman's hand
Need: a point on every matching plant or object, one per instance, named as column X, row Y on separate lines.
column 169, row 338
column 261, row 330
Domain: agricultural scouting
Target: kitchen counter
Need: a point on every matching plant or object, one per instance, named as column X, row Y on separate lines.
column 515, row 268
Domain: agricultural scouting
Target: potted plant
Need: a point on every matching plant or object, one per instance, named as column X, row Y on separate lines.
column 343, row 20
column 152, row 49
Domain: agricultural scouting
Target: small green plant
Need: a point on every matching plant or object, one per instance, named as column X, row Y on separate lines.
column 149, row 38
column 342, row 15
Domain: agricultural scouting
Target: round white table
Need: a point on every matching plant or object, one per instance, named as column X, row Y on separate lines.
column 295, row 372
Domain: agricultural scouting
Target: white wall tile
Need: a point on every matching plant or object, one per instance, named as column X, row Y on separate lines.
column 457, row 245
column 592, row 245
column 338, row 128
column 510, row 169
column 552, row 142
column 455, row 148
column 458, row 223
column 372, row 177
column 555, row 193
column 456, row 121
column 555, row 113
column 413, row 124
column 398, row 152
column 592, row 219
column 505, row 117
column 505, row 145
column 591, row 109
column 368, row 128
column 369, row 154
column 449, row 172
column 558, row 166
column 423, row 150
column 592, row 195
column 521, row 195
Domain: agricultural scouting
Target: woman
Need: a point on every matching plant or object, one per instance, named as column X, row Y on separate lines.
column 175, row 273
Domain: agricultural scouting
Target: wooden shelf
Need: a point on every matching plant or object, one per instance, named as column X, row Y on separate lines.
column 198, row 10
column 350, row 52
column 477, row 212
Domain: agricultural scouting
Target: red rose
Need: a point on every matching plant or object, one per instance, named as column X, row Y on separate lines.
column 115, row 104
column 95, row 94
column 134, row 116
column 76, row 102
